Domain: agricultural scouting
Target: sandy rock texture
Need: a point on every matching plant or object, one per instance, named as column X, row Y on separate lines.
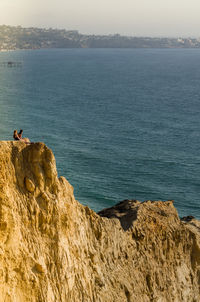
column 53, row 249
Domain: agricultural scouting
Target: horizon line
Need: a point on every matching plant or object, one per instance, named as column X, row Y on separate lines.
column 108, row 34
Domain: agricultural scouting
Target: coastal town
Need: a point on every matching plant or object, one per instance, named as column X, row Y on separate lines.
column 17, row 37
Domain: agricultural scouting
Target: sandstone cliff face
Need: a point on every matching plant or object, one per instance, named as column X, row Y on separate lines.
column 54, row 249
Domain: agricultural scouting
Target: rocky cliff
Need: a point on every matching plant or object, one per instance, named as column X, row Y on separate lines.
column 53, row 249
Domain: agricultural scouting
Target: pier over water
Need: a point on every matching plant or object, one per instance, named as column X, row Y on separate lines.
column 11, row 64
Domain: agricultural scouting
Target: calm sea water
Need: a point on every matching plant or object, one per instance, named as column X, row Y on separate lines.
column 122, row 123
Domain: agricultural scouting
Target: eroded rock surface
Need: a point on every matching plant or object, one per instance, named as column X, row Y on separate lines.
column 54, row 249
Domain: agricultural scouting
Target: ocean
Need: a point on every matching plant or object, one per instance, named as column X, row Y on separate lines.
column 122, row 123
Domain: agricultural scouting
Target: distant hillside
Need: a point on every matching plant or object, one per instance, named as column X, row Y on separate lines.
column 12, row 38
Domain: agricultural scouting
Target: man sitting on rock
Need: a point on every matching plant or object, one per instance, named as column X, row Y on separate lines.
column 18, row 136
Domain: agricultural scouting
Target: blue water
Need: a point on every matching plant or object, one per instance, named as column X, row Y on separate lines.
column 122, row 123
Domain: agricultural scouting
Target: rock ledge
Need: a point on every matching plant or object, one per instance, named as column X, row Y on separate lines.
column 54, row 249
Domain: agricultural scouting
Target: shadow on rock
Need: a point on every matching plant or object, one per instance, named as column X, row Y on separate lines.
column 125, row 211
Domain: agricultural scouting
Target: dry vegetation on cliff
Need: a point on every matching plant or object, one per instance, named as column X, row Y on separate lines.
column 53, row 249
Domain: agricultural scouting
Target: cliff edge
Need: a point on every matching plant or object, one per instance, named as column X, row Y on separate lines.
column 53, row 249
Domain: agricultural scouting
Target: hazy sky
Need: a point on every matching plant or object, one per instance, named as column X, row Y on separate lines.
column 129, row 17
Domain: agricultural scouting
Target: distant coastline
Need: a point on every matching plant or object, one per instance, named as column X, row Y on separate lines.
column 18, row 38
